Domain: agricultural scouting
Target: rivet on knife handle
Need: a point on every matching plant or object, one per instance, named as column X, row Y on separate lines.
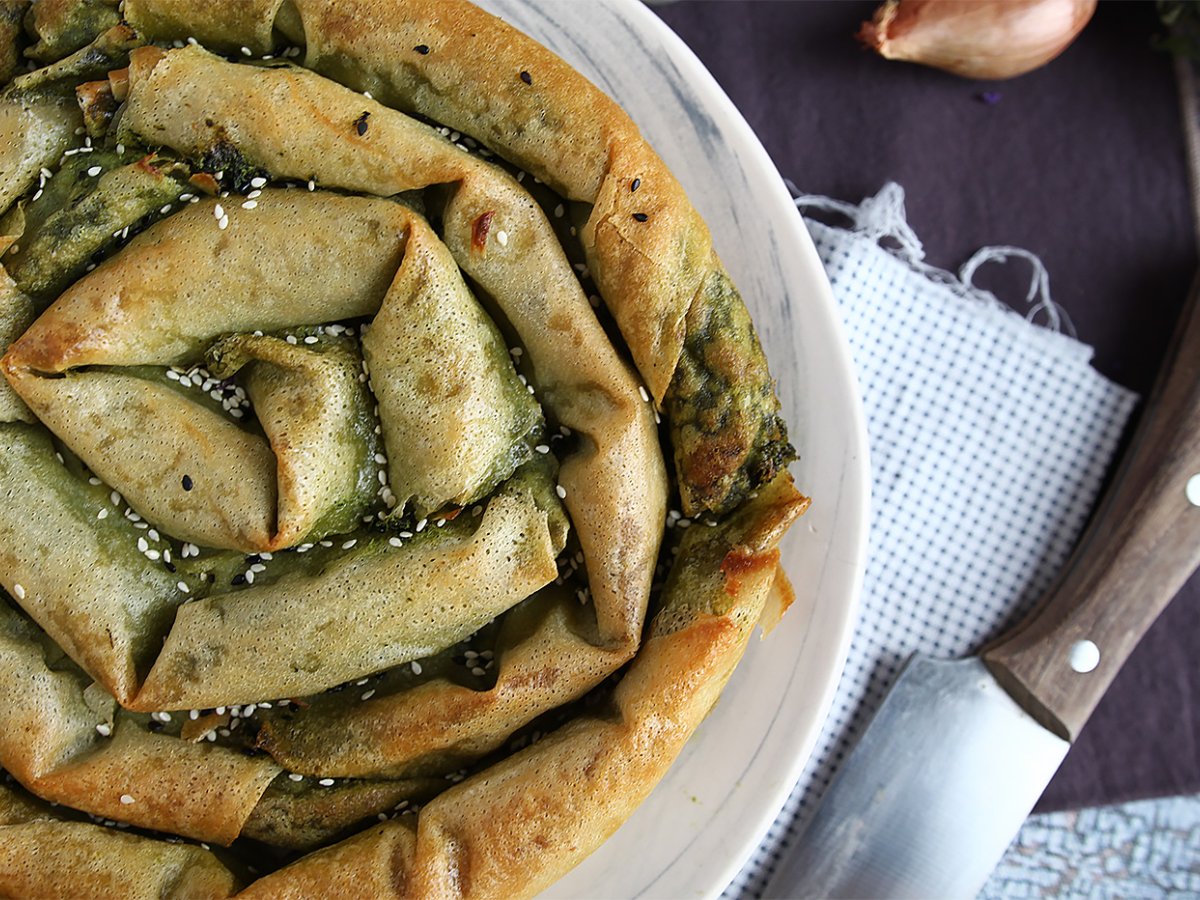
column 1139, row 549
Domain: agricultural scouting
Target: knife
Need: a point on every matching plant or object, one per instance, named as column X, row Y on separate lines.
column 955, row 758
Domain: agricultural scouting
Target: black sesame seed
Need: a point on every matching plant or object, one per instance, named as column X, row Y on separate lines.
column 154, row 725
column 360, row 124
column 239, row 578
column 170, row 567
column 421, row 48
column 640, row 217
column 187, row 482
column 637, row 183
column 527, row 78
column 253, row 559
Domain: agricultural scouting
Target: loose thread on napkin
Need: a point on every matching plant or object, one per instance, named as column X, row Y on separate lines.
column 882, row 219
column 990, row 435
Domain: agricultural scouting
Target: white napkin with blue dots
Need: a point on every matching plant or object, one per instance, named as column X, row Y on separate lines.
column 989, row 439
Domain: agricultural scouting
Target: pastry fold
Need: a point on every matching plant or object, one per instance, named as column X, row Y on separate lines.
column 647, row 248
column 515, row 828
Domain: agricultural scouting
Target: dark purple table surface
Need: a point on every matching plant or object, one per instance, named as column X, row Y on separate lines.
column 1083, row 163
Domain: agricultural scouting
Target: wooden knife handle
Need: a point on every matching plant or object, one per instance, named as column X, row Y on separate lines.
column 1140, row 547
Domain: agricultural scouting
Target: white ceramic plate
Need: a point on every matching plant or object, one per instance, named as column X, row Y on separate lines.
column 700, row 825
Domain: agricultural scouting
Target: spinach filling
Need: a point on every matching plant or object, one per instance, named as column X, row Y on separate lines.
column 728, row 434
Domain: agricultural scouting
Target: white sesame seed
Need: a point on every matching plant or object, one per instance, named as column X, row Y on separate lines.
column 115, row 498
column 142, row 545
column 258, row 568
column 183, row 588
column 126, row 799
column 476, row 671
column 295, row 776
column 93, row 171
column 249, row 576
column 558, row 211
column 349, row 544
column 46, row 174
column 502, row 238
column 642, row 391
column 291, row 339
column 325, row 782
column 153, row 535
column 477, row 511
column 218, row 211
column 104, row 730
column 367, row 695
column 257, row 181
column 312, row 185
column 383, row 479
column 223, row 222
column 406, row 534
column 18, row 591
column 561, row 491
column 153, row 555
column 246, row 51
column 416, row 667
column 103, row 514
column 542, row 448
column 166, row 209
column 193, row 714
column 250, row 204
column 326, row 543
column 421, row 525
column 395, row 542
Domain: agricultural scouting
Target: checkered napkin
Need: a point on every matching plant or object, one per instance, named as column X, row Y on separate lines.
column 989, row 437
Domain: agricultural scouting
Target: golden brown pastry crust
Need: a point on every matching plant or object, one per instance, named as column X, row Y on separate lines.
column 515, row 827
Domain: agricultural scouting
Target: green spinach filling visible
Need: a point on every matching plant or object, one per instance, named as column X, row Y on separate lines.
column 728, row 434
column 86, row 210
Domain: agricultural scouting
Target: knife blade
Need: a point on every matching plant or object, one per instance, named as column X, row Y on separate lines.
column 955, row 758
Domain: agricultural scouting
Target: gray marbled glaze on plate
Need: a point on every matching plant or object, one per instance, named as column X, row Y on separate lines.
column 702, row 822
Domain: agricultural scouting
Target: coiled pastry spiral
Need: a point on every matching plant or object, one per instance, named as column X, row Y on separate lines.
column 335, row 492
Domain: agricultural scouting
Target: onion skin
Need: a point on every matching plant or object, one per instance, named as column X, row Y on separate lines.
column 986, row 39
